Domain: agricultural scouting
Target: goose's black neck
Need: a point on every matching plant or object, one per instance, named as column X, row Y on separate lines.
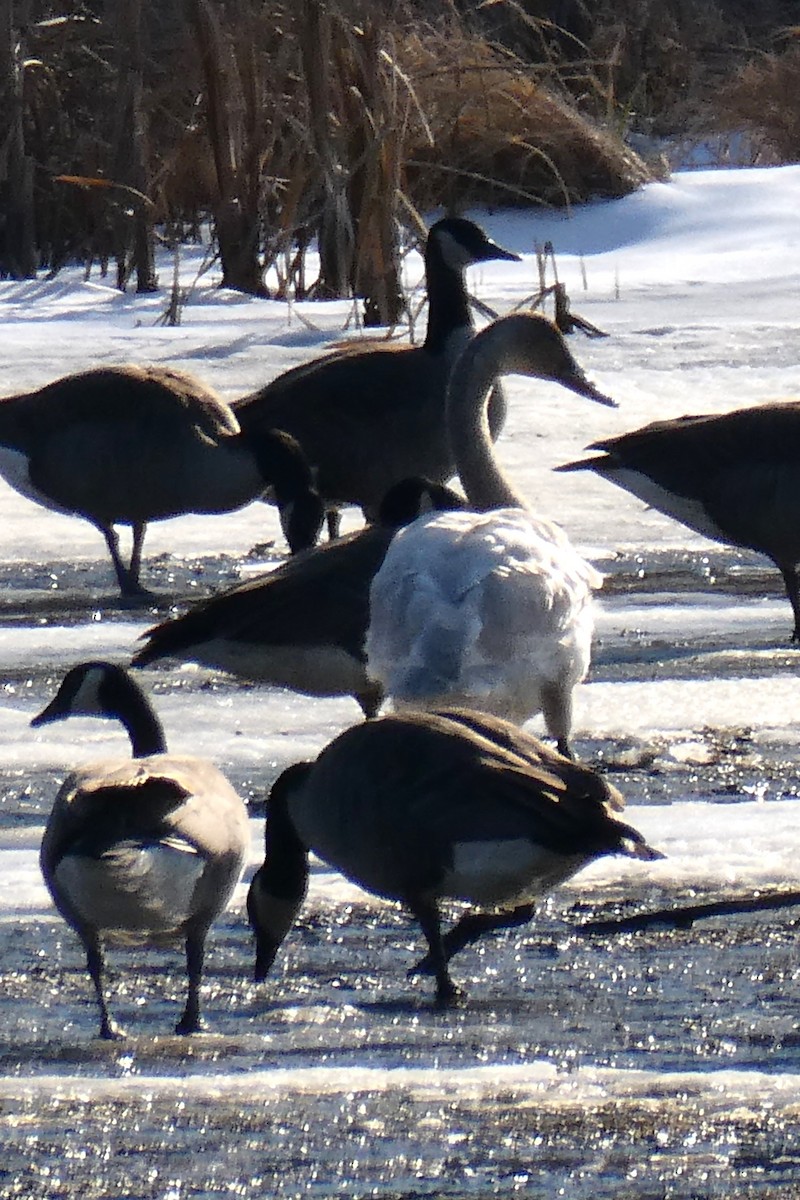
column 129, row 705
column 282, row 464
column 285, row 870
column 102, row 689
column 284, row 467
column 448, row 302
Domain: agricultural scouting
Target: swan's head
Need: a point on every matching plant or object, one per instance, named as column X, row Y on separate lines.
column 529, row 344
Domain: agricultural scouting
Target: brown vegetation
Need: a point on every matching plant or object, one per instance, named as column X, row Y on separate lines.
column 342, row 120
column 762, row 99
column 500, row 132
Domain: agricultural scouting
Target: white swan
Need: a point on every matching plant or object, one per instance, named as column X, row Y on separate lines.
column 491, row 609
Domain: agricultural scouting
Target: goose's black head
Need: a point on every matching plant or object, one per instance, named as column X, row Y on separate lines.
column 103, row 689
column 286, row 469
column 459, row 243
column 454, row 243
column 410, row 498
column 91, row 689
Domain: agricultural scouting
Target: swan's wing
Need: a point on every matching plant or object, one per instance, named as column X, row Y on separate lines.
column 467, row 603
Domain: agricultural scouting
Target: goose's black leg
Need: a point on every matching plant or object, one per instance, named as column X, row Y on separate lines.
column 789, row 573
column 333, row 522
column 129, row 585
column 428, row 916
column 190, row 1022
column 109, row 1028
column 112, row 541
column 139, row 530
column 469, row 929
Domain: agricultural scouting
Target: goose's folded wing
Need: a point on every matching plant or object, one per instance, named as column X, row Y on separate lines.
column 318, row 597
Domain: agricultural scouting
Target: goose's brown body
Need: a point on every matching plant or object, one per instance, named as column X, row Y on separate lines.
column 732, row 477
column 368, row 418
column 421, row 806
column 145, row 849
column 303, row 625
column 129, row 445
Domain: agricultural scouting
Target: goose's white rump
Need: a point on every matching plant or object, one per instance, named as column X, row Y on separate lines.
column 492, row 609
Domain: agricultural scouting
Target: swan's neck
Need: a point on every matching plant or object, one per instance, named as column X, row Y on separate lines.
column 448, row 303
column 482, row 477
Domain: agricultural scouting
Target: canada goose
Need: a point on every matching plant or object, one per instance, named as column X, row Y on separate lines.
column 731, row 477
column 369, row 418
column 489, row 609
column 302, row 626
column 128, row 445
column 147, row 849
column 422, row 806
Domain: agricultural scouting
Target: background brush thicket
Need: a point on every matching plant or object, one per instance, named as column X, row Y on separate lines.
column 273, row 123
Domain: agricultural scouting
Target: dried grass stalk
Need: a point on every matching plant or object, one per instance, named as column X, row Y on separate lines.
column 501, row 136
column 763, row 98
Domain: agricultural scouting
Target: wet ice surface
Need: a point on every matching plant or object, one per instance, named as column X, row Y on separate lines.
column 649, row 1065
column 664, row 1063
column 660, row 1063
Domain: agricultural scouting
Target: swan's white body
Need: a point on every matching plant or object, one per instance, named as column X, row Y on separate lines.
column 490, row 609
